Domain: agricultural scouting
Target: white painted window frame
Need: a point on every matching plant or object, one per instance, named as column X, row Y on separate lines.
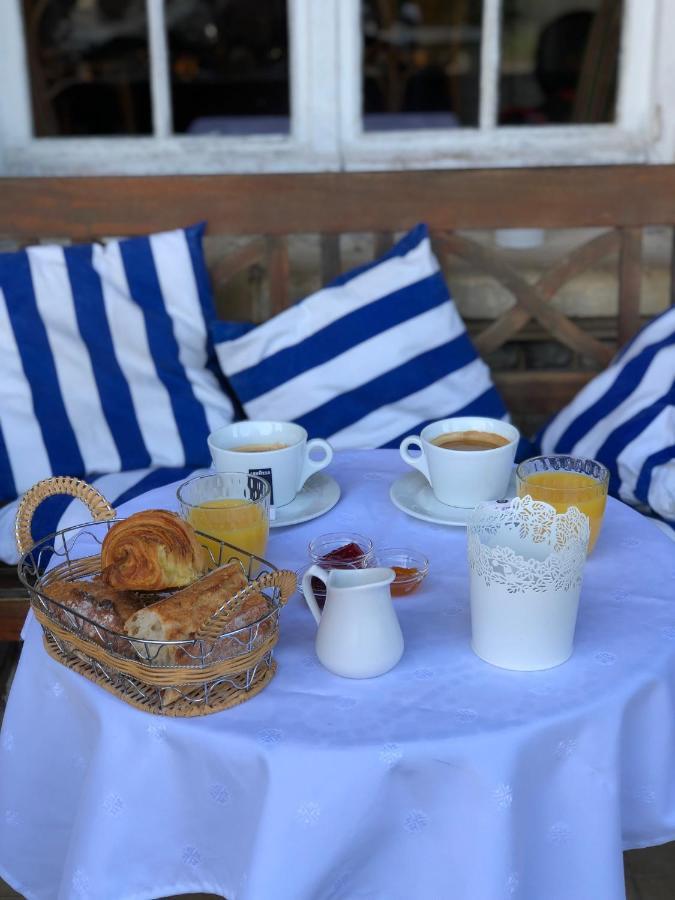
column 312, row 144
column 643, row 131
column 325, row 44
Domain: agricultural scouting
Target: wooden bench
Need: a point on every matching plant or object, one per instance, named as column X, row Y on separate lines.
column 265, row 210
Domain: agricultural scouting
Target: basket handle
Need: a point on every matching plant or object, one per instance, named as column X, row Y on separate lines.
column 98, row 506
column 283, row 579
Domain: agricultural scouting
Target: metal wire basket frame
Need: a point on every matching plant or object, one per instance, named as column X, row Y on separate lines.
column 219, row 667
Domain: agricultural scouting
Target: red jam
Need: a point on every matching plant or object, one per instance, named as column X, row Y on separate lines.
column 349, row 556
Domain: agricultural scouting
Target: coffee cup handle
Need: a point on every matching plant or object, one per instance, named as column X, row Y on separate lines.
column 310, row 599
column 310, row 466
column 417, row 462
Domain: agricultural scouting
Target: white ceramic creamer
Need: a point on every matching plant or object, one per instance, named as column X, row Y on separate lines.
column 359, row 635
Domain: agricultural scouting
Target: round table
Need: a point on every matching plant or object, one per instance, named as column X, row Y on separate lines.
column 445, row 778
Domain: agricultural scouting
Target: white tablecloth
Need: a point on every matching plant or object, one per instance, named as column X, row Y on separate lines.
column 446, row 778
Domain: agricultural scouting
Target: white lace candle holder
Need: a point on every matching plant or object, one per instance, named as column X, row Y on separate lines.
column 526, row 564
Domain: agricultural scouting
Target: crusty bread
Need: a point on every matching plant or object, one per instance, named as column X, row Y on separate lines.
column 245, row 639
column 181, row 615
column 97, row 602
column 254, row 607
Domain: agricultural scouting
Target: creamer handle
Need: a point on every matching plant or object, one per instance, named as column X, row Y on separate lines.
column 322, row 575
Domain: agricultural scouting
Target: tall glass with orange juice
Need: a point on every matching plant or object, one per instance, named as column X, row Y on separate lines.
column 232, row 507
column 564, row 481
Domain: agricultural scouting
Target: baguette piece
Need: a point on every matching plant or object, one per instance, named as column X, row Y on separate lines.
column 243, row 640
column 180, row 616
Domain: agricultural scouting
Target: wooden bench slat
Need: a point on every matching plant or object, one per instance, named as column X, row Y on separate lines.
column 384, row 241
column 12, row 616
column 555, row 322
column 238, row 260
column 630, row 283
column 278, row 273
column 576, row 262
column 532, row 392
column 331, row 263
column 574, row 197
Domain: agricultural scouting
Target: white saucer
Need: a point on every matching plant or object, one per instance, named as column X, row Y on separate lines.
column 320, row 493
column 412, row 494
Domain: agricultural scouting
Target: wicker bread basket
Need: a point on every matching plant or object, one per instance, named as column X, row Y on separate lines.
column 221, row 667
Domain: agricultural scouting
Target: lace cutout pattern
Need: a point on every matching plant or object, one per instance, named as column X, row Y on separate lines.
column 500, row 533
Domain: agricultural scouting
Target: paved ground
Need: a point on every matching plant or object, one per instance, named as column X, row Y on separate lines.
column 650, row 873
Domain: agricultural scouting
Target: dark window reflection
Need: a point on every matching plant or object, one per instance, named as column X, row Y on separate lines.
column 421, row 63
column 88, row 62
column 229, row 66
column 559, row 61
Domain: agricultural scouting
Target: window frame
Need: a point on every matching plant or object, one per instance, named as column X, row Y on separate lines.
column 311, row 144
column 635, row 137
column 326, row 134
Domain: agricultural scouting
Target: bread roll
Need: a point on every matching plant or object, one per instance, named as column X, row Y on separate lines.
column 152, row 550
column 97, row 602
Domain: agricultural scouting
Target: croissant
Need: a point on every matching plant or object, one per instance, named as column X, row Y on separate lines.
column 151, row 551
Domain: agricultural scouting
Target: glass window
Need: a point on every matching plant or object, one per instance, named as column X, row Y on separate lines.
column 421, row 63
column 229, row 66
column 88, row 65
column 559, row 61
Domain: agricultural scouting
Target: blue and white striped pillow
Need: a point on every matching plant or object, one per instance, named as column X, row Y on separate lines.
column 625, row 417
column 62, row 511
column 369, row 359
column 106, row 360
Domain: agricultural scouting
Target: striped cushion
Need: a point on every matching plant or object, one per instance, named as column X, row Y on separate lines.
column 63, row 512
column 625, row 417
column 106, row 361
column 367, row 360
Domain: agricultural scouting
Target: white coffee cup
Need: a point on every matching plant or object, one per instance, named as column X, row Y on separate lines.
column 464, row 477
column 285, row 468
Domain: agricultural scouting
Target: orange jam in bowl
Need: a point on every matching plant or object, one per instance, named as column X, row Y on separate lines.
column 410, row 568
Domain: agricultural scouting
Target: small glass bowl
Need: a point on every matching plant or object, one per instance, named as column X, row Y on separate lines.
column 321, row 547
column 410, row 566
column 327, row 544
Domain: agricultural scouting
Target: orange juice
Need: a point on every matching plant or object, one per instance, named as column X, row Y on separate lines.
column 565, row 489
column 239, row 522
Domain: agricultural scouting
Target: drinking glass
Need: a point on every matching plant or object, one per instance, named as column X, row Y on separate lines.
column 565, row 481
column 232, row 507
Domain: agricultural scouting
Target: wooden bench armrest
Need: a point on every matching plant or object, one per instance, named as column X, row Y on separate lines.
column 13, row 604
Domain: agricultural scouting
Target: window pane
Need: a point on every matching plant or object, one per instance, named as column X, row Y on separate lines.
column 421, row 63
column 88, row 62
column 559, row 61
column 229, row 66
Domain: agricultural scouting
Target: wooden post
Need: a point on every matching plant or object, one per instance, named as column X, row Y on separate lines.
column 278, row 273
column 331, row 265
column 630, row 283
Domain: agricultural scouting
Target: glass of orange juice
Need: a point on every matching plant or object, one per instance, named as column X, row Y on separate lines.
column 232, row 507
column 564, row 481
